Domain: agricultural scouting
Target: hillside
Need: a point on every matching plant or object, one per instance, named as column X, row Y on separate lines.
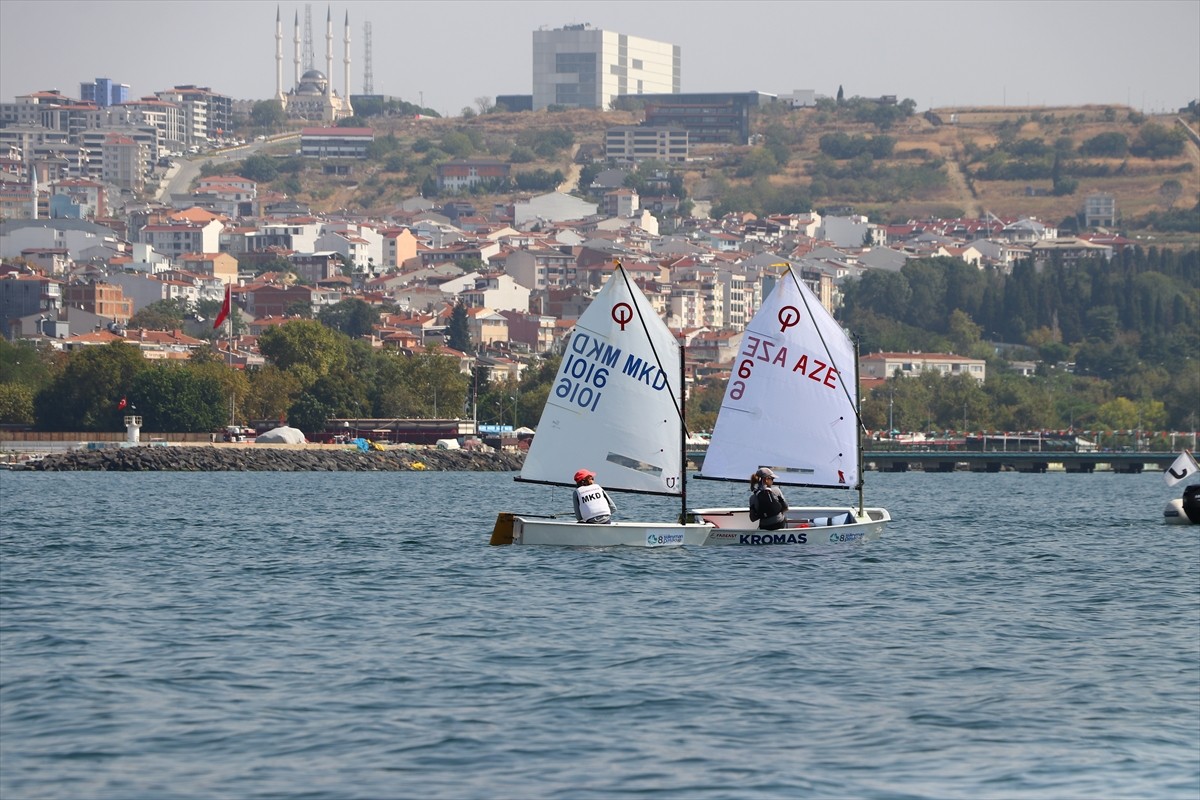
column 949, row 162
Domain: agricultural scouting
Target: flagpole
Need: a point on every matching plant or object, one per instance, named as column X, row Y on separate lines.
column 229, row 347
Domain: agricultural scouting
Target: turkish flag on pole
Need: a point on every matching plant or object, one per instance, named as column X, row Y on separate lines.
column 224, row 306
column 121, row 405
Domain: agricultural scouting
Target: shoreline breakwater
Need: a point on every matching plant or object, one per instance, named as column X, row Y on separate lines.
column 272, row 458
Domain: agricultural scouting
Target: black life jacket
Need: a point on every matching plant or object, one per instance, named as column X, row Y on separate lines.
column 768, row 503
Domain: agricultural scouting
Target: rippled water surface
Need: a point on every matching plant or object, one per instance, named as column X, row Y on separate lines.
column 351, row 635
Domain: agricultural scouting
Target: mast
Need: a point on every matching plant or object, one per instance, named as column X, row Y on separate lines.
column 858, row 425
column 682, row 439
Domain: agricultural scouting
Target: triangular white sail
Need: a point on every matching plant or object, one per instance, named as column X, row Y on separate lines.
column 613, row 406
column 791, row 399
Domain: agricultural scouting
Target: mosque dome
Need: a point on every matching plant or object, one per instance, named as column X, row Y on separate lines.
column 312, row 82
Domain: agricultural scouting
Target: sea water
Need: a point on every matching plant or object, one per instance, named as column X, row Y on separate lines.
column 352, row 635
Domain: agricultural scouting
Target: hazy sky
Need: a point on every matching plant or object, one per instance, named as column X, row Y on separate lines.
column 1144, row 53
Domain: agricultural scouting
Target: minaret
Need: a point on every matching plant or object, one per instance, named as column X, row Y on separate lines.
column 328, row 53
column 296, row 41
column 278, row 56
column 346, row 111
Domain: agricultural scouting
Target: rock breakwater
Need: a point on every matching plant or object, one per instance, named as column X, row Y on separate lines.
column 269, row 458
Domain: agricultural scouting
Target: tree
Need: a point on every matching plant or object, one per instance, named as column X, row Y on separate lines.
column 1121, row 414
column 308, row 414
column 85, row 395
column 523, row 155
column 178, row 397
column 300, row 308
column 16, row 404
column 457, row 144
column 258, row 168
column 306, row 346
column 351, row 316
column 1156, row 141
column 841, row 96
column 1170, row 191
column 342, row 394
column 964, row 333
column 393, row 394
column 1105, row 145
column 460, row 330
column 268, row 114
column 759, row 161
column 437, row 384
column 163, row 315
column 25, row 364
column 484, row 104
column 271, row 392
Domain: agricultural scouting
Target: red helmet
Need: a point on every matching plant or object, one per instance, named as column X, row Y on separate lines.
column 583, row 474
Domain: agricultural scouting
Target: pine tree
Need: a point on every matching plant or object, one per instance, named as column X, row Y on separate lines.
column 460, row 331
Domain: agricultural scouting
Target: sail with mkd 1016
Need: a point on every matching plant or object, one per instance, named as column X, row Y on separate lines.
column 616, row 409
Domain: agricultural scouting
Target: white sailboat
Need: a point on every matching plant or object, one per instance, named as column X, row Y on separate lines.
column 792, row 405
column 615, row 408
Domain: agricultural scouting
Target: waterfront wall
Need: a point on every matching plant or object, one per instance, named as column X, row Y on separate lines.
column 273, row 458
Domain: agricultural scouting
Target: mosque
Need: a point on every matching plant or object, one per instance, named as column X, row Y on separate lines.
column 312, row 96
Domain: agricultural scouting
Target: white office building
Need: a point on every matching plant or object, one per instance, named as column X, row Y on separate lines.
column 578, row 66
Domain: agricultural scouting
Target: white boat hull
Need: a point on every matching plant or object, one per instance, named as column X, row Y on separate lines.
column 534, row 530
column 813, row 526
column 1174, row 514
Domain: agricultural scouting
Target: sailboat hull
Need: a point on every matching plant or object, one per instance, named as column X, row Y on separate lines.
column 815, row 526
column 532, row 530
column 806, row 526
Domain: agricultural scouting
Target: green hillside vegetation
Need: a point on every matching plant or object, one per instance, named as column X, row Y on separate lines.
column 883, row 160
column 1127, row 327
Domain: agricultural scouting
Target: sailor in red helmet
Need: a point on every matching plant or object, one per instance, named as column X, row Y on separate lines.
column 592, row 503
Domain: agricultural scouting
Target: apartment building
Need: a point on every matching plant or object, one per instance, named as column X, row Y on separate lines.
column 638, row 143
column 1100, row 210
column 174, row 239
column 124, row 164
column 22, row 294
column 104, row 92
column 217, row 265
column 100, row 298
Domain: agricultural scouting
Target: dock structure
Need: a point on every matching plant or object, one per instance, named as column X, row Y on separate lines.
column 1017, row 461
